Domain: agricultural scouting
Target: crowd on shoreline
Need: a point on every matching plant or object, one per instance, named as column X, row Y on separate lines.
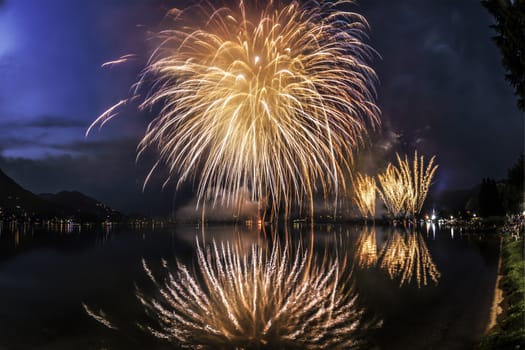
column 514, row 225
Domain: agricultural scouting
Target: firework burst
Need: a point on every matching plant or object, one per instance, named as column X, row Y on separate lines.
column 393, row 191
column 365, row 195
column 404, row 188
column 267, row 298
column 272, row 98
column 417, row 180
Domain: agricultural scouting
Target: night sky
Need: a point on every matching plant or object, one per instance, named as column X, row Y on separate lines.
column 442, row 91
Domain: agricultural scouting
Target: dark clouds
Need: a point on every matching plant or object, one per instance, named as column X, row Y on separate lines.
column 442, row 91
column 45, row 121
column 40, row 137
column 104, row 170
column 442, row 86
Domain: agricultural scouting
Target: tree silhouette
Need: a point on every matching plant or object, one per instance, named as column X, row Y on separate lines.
column 489, row 199
column 514, row 192
column 510, row 39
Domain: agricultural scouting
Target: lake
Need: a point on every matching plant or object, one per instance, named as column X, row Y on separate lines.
column 425, row 288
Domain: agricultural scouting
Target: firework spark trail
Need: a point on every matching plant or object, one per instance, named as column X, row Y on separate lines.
column 273, row 98
column 276, row 298
column 393, row 191
column 417, row 181
column 404, row 188
column 406, row 256
column 99, row 316
column 367, row 255
column 365, row 195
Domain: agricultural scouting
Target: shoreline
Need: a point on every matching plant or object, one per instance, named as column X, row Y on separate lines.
column 496, row 310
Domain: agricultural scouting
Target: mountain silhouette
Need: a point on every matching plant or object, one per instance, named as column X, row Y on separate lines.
column 78, row 205
column 17, row 202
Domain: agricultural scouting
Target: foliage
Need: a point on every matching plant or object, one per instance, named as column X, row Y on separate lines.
column 510, row 39
column 489, row 199
column 513, row 192
column 511, row 331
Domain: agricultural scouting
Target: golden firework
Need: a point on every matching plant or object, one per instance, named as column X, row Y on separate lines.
column 365, row 195
column 367, row 248
column 404, row 188
column 393, row 191
column 278, row 297
column 406, row 256
column 272, row 98
column 417, row 179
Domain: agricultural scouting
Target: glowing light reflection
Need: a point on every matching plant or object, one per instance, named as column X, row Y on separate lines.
column 406, row 256
column 269, row 294
column 367, row 254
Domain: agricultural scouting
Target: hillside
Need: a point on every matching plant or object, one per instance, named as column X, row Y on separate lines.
column 81, row 207
column 17, row 202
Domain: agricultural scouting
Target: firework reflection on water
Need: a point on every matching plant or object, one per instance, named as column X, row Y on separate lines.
column 278, row 294
column 406, row 258
column 367, row 251
column 269, row 291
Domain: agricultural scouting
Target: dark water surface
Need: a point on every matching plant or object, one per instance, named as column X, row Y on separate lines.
column 432, row 288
